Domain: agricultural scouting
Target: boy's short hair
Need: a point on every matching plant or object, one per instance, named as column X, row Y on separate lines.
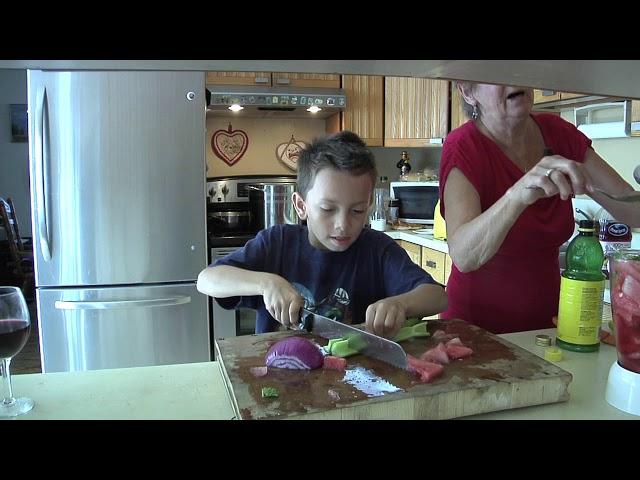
column 343, row 151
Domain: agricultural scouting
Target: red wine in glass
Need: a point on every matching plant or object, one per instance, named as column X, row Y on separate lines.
column 15, row 326
column 14, row 333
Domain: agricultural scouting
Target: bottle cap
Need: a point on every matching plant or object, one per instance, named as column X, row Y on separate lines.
column 553, row 354
column 586, row 226
column 543, row 340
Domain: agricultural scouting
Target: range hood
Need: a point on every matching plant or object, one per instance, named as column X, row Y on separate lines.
column 274, row 102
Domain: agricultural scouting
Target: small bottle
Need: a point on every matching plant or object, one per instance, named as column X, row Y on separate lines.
column 394, row 210
column 581, row 292
column 613, row 236
column 404, row 165
column 380, row 205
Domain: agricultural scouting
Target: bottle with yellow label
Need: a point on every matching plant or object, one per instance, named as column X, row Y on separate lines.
column 581, row 292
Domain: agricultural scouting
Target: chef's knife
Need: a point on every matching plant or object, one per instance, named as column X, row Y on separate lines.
column 364, row 342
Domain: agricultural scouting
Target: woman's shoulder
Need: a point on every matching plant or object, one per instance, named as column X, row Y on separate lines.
column 553, row 121
column 465, row 131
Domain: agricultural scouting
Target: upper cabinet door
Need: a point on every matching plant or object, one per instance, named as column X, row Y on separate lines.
column 458, row 117
column 315, row 80
column 541, row 96
column 365, row 107
column 416, row 111
column 239, row 78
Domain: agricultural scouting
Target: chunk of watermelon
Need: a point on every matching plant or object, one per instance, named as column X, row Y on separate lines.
column 458, row 351
column 427, row 370
column 258, row 371
column 334, row 363
column 437, row 354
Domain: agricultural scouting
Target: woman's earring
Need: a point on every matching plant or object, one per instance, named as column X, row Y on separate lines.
column 475, row 112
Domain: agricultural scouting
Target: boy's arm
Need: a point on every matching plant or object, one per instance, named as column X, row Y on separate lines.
column 226, row 281
column 386, row 316
column 281, row 300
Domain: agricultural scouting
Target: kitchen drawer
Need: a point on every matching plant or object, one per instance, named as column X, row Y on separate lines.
column 433, row 262
column 413, row 250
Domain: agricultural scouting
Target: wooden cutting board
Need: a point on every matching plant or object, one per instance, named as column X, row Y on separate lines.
column 498, row 376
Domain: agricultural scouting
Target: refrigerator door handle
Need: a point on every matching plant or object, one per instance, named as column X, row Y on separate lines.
column 41, row 160
column 109, row 305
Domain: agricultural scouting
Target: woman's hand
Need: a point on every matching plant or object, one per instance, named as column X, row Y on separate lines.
column 385, row 317
column 282, row 301
column 552, row 175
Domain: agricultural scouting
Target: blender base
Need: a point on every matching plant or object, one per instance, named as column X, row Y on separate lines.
column 623, row 389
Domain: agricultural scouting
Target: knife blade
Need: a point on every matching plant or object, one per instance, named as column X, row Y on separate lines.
column 364, row 342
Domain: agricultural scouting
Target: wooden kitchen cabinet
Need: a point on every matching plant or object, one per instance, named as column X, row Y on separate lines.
column 312, row 80
column 364, row 114
column 238, row 78
column 543, row 96
column 635, row 110
column 433, row 262
column 458, row 117
column 414, row 251
column 415, row 111
column 275, row 79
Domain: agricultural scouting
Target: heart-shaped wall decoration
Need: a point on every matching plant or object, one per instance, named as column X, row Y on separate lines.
column 289, row 152
column 229, row 145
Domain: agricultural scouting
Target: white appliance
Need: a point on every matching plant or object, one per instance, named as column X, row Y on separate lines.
column 117, row 163
column 605, row 120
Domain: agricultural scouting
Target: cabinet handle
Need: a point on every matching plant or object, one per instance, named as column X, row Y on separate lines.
column 283, row 81
column 261, row 80
column 430, row 264
column 548, row 93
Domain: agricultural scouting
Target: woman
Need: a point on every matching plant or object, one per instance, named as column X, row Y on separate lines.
column 507, row 178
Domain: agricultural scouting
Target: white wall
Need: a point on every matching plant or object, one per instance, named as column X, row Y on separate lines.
column 14, row 157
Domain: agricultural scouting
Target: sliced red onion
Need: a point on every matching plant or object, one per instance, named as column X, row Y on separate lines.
column 295, row 353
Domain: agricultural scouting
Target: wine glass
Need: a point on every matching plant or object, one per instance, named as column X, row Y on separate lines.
column 14, row 332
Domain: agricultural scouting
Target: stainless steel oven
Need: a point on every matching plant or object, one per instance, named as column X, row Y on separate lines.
column 229, row 227
column 230, row 323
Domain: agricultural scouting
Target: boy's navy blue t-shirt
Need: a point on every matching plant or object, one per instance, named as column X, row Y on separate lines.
column 340, row 285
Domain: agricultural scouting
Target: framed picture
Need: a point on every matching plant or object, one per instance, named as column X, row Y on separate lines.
column 19, row 124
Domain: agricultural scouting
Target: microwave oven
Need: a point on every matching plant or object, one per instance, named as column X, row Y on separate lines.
column 417, row 200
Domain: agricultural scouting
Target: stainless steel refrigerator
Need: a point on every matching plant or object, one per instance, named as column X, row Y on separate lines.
column 117, row 164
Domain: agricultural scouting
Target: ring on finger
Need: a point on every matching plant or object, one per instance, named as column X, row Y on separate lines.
column 549, row 172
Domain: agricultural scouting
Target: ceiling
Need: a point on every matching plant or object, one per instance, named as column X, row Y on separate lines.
column 619, row 78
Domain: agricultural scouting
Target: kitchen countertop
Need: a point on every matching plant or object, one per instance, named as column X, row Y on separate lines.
column 196, row 391
column 424, row 239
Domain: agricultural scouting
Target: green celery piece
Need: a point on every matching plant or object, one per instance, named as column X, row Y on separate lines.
column 411, row 321
column 417, row 330
column 269, row 392
column 339, row 347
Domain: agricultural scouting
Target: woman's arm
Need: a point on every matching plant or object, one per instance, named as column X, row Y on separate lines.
column 474, row 236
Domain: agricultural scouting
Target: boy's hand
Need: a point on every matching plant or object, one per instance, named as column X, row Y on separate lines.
column 385, row 317
column 282, row 301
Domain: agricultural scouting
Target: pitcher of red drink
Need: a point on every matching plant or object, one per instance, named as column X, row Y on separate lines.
column 624, row 268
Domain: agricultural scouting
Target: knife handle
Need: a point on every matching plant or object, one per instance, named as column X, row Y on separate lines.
column 306, row 322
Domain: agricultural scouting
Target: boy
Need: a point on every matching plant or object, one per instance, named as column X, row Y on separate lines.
column 331, row 265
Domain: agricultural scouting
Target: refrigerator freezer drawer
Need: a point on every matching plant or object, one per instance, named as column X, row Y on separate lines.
column 117, row 327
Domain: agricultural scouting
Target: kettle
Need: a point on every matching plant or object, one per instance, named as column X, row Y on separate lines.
column 439, row 225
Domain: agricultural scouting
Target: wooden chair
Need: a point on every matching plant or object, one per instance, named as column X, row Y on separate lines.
column 20, row 256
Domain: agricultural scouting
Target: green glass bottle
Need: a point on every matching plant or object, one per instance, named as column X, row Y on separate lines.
column 581, row 292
